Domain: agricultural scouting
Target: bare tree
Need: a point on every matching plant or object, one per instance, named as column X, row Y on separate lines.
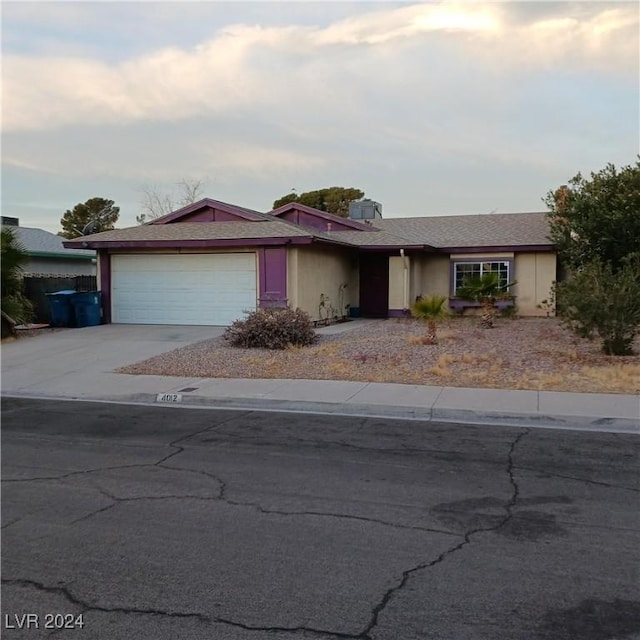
column 156, row 203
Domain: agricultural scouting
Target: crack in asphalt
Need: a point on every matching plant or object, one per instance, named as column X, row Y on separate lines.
column 173, row 444
column 375, row 612
column 400, row 450
column 598, row 483
column 10, row 523
column 200, row 617
column 382, row 604
column 77, row 473
column 508, row 507
column 253, row 505
column 207, row 474
column 344, row 516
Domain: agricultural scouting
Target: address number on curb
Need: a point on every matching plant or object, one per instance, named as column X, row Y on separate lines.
column 169, row 397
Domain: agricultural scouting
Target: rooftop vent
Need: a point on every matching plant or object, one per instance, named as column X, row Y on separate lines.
column 365, row 210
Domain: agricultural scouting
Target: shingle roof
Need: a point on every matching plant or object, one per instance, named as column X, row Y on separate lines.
column 372, row 238
column 441, row 232
column 39, row 241
column 197, row 231
column 492, row 229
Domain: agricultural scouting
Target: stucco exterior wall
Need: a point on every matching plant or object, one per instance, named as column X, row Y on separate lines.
column 431, row 276
column 399, row 293
column 313, row 271
column 535, row 273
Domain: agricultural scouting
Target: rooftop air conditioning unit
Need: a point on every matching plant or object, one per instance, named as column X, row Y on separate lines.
column 365, row 210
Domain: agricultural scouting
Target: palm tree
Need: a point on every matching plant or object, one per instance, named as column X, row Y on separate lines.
column 14, row 256
column 430, row 309
column 484, row 289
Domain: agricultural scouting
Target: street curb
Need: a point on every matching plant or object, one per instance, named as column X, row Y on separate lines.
column 417, row 414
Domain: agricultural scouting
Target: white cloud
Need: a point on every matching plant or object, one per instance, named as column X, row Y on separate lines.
column 251, row 67
column 430, row 108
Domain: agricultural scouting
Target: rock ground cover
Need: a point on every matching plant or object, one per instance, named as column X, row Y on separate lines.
column 523, row 353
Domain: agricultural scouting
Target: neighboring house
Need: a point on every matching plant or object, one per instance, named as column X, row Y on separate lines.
column 47, row 254
column 209, row 262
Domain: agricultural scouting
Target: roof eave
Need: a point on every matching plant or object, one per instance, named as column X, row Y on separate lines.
column 198, row 244
column 67, row 256
column 396, row 247
column 516, row 248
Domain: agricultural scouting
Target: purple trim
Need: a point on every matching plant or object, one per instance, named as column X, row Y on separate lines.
column 105, row 285
column 237, row 212
column 459, row 305
column 394, row 248
column 208, row 214
column 305, row 219
column 272, row 263
column 316, row 213
column 498, row 248
column 399, row 313
column 176, row 244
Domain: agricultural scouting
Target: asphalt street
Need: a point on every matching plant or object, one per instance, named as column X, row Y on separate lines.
column 142, row 522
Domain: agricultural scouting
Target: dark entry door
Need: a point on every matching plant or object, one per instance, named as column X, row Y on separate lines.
column 374, row 285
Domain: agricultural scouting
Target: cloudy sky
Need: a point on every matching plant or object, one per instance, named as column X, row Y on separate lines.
column 431, row 108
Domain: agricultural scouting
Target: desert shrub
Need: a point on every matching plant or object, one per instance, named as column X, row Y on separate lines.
column 272, row 329
column 596, row 301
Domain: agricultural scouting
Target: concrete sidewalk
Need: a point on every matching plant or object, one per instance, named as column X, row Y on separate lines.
column 79, row 364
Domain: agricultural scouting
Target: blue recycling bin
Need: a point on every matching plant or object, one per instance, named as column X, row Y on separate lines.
column 62, row 312
column 87, row 308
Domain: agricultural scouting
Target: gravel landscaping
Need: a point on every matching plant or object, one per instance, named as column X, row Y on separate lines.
column 524, row 353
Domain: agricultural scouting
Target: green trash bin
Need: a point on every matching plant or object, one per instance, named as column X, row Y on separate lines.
column 87, row 308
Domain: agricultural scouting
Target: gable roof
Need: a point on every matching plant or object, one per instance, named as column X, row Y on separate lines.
column 237, row 212
column 328, row 218
column 195, row 225
column 43, row 244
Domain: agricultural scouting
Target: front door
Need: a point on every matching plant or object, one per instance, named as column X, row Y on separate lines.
column 374, row 285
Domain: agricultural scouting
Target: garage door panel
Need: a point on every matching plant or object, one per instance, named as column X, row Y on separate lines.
column 201, row 289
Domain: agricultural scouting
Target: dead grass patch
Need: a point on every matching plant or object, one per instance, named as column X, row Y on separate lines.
column 527, row 353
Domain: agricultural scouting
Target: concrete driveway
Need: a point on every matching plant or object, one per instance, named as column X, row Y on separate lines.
column 53, row 363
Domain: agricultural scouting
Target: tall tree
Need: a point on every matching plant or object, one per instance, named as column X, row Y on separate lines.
column 597, row 218
column 92, row 216
column 595, row 225
column 156, row 203
column 332, row 199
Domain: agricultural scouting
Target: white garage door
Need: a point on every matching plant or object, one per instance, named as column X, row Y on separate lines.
column 202, row 289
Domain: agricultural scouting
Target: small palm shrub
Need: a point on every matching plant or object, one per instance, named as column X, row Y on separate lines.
column 272, row 329
column 430, row 309
column 484, row 289
column 14, row 257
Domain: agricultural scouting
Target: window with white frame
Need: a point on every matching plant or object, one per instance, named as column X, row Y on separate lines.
column 464, row 270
